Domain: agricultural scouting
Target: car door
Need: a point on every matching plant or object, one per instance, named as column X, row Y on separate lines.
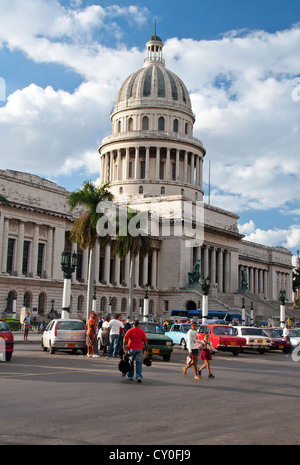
column 47, row 334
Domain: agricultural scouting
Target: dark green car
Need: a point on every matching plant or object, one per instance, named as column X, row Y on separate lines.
column 158, row 343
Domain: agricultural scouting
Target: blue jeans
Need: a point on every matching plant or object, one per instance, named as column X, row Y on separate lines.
column 114, row 340
column 137, row 356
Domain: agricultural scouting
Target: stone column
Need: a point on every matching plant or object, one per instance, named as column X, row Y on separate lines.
column 177, row 164
column 168, row 166
column 220, row 270
column 185, row 170
column 107, row 264
column 157, row 165
column 49, row 251
column 127, row 164
column 154, row 269
column 20, row 248
column 147, row 162
column 34, row 250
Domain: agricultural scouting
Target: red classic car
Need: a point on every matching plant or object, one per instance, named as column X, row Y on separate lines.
column 278, row 343
column 6, row 341
column 223, row 338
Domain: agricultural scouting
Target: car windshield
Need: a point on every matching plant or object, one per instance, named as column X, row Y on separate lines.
column 151, row 328
column 294, row 333
column 185, row 328
column 251, row 332
column 4, row 326
column 270, row 332
column 70, row 325
column 228, row 330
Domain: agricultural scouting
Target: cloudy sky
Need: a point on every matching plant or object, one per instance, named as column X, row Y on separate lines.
column 63, row 62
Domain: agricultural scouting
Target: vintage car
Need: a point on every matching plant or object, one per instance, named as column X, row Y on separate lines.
column 158, row 342
column 178, row 333
column 278, row 342
column 223, row 337
column 294, row 336
column 256, row 340
column 6, row 342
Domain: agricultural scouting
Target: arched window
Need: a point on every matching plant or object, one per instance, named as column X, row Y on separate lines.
column 161, row 124
column 175, row 125
column 42, row 303
column 186, row 128
column 130, row 124
column 80, row 302
column 145, row 124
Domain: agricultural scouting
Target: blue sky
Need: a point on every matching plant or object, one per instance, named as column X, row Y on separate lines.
column 63, row 62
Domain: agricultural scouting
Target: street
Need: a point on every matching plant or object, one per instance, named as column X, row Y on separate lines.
column 74, row 400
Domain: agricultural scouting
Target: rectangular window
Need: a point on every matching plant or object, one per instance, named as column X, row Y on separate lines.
column 26, row 249
column 130, row 170
column 79, row 267
column 143, row 169
column 161, row 170
column 40, row 259
column 10, row 255
column 173, row 171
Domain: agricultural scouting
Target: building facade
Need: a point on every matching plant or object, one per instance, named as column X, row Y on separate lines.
column 155, row 164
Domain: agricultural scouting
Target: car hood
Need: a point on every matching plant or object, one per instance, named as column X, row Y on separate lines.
column 160, row 337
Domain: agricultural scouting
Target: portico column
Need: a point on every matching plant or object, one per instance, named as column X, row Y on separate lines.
column 177, row 164
column 147, row 163
column 192, row 167
column 168, row 171
column 117, row 270
column 154, row 268
column 136, row 166
column 127, row 164
column 111, row 166
column 227, row 271
column 213, row 265
column 34, row 255
column 145, row 270
column 157, row 166
column 5, row 245
column 185, row 166
column 119, row 165
column 205, row 255
column 220, row 270
column 49, row 251
column 107, row 265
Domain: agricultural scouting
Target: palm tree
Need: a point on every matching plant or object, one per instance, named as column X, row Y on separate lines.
column 84, row 231
column 133, row 244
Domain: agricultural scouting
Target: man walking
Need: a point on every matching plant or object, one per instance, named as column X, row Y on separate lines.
column 134, row 340
column 114, row 328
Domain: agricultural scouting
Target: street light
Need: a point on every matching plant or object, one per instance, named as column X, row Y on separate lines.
column 205, row 285
column 243, row 312
column 282, row 297
column 68, row 264
column 146, row 304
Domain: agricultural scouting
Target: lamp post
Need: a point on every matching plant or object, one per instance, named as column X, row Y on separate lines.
column 282, row 297
column 205, row 285
column 94, row 300
column 252, row 314
column 146, row 304
column 243, row 312
column 68, row 264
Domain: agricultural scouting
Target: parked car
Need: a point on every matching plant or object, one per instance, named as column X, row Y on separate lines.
column 223, row 337
column 294, row 336
column 158, row 342
column 7, row 336
column 256, row 340
column 178, row 333
column 65, row 335
column 278, row 342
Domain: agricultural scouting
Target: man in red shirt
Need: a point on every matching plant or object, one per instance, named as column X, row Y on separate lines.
column 133, row 341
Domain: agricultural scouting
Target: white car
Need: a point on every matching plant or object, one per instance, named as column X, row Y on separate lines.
column 255, row 338
column 294, row 336
column 64, row 335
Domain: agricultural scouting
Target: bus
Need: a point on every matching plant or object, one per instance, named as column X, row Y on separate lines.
column 184, row 315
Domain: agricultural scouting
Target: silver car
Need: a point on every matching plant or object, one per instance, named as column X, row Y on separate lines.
column 65, row 335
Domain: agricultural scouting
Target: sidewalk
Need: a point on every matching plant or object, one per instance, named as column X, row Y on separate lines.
column 33, row 337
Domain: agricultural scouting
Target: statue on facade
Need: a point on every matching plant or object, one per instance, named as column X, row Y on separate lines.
column 195, row 275
column 244, row 280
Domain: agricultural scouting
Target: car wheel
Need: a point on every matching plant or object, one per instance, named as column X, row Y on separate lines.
column 8, row 356
column 44, row 349
column 51, row 349
column 166, row 357
column 183, row 344
column 236, row 352
column 261, row 351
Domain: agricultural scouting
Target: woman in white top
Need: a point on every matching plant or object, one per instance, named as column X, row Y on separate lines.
column 192, row 345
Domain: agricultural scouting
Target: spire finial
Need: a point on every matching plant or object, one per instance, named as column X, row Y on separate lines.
column 155, row 27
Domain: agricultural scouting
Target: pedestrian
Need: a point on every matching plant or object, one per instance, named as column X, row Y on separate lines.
column 26, row 323
column 103, row 339
column 205, row 355
column 286, row 333
column 192, row 345
column 127, row 325
column 133, row 340
column 114, row 327
column 91, row 336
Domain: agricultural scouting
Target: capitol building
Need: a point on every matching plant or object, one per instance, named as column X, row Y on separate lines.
column 153, row 163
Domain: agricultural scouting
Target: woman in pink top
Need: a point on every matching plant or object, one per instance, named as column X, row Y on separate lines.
column 205, row 355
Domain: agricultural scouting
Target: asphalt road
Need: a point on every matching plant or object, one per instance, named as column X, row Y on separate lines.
column 74, row 400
